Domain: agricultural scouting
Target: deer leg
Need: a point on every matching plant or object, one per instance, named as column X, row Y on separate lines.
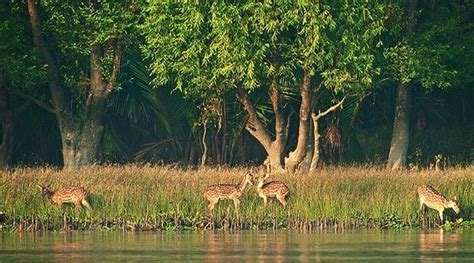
column 86, row 204
column 441, row 216
column 282, row 199
column 212, row 203
column 422, row 206
column 265, row 200
column 236, row 204
column 422, row 211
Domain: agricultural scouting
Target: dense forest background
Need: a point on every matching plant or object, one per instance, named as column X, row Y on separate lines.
column 386, row 83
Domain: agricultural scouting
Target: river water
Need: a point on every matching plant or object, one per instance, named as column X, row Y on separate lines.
column 260, row 246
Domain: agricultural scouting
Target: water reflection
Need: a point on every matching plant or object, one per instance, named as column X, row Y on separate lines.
column 66, row 247
column 435, row 244
column 266, row 246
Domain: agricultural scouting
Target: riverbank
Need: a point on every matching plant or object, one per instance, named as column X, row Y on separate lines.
column 165, row 198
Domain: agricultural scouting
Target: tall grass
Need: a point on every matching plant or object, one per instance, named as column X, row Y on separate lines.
column 145, row 197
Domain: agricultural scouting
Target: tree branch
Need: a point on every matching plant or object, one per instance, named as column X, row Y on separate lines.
column 23, row 106
column 33, row 100
column 280, row 131
column 120, row 47
column 330, row 109
column 288, row 122
column 318, row 88
column 296, row 157
column 57, row 94
column 258, row 131
column 38, row 38
column 382, row 80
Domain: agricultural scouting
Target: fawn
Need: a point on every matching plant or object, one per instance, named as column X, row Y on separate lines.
column 433, row 199
column 272, row 189
column 216, row 192
column 67, row 195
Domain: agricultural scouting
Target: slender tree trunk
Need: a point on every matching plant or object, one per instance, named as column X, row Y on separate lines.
column 7, row 128
column 316, row 149
column 400, row 138
column 348, row 135
column 224, row 144
column 297, row 156
column 305, row 165
column 192, row 153
column 204, row 145
column 187, row 149
column 8, row 138
column 241, row 152
column 315, row 158
column 217, row 155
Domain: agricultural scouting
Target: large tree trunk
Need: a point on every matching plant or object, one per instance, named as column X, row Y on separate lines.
column 297, row 156
column 81, row 134
column 255, row 127
column 400, row 138
column 80, row 144
column 81, row 139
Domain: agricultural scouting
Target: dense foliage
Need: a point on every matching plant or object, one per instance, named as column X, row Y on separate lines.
column 234, row 82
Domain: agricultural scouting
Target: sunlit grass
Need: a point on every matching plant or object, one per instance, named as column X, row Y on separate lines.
column 162, row 197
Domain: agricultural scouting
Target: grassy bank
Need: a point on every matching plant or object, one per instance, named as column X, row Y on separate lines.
column 134, row 197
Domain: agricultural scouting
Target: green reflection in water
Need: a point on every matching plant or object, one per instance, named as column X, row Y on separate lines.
column 267, row 246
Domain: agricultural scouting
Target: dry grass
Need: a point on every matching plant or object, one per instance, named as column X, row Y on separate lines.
column 144, row 197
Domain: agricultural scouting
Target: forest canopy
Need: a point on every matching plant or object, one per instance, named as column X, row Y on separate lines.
column 291, row 85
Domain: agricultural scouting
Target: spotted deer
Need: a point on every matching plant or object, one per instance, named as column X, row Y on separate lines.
column 217, row 192
column 276, row 189
column 433, row 199
column 67, row 195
